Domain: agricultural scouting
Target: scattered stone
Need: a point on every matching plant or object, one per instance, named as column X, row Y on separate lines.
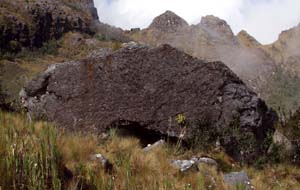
column 185, row 165
column 155, row 145
column 104, row 136
column 130, row 45
column 205, row 160
column 280, row 139
column 103, row 160
column 238, row 181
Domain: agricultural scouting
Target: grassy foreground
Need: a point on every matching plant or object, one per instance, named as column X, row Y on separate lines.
column 39, row 156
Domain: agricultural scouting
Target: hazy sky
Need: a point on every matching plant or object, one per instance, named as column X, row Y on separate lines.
column 264, row 19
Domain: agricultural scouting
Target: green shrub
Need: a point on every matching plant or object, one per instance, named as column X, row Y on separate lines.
column 201, row 134
column 50, row 48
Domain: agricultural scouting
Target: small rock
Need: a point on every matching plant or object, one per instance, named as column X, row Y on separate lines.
column 130, row 45
column 155, row 145
column 103, row 160
column 185, row 165
column 238, row 181
column 280, row 139
column 104, row 136
column 205, row 160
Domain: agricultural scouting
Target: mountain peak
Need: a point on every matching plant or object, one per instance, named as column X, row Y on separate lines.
column 247, row 40
column 168, row 22
column 217, row 28
column 212, row 20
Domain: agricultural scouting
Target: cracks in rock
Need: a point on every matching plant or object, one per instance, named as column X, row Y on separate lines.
column 43, row 88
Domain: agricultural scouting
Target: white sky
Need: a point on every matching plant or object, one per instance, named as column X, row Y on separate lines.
column 263, row 19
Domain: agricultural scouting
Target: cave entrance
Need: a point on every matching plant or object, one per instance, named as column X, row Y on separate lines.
column 146, row 136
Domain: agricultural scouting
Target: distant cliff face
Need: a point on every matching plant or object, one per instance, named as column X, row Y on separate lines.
column 286, row 51
column 273, row 71
column 247, row 40
column 32, row 23
column 211, row 39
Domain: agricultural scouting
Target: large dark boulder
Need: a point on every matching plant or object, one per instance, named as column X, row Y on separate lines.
column 149, row 87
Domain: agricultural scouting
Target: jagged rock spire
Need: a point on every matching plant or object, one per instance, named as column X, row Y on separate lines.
column 168, row 22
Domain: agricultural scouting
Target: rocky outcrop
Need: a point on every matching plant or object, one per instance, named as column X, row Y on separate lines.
column 285, row 51
column 148, row 87
column 168, row 22
column 247, row 40
column 36, row 22
column 217, row 28
column 286, row 81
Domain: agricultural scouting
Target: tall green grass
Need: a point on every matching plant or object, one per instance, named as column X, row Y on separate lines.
column 29, row 156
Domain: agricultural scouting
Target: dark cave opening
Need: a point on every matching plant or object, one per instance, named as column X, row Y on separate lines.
column 146, row 136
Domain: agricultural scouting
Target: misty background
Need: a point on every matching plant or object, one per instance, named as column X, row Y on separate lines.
column 263, row 19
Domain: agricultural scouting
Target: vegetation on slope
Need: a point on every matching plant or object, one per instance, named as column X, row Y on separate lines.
column 39, row 156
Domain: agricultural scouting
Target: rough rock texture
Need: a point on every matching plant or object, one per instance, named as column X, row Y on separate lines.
column 168, row 22
column 193, row 163
column 214, row 26
column 185, row 165
column 32, row 23
column 238, row 181
column 149, row 87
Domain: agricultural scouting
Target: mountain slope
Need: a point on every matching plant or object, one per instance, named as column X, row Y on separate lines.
column 212, row 39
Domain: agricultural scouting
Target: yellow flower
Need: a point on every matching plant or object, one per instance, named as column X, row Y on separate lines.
column 180, row 119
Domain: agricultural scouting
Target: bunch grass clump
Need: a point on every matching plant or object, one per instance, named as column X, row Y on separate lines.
column 29, row 156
